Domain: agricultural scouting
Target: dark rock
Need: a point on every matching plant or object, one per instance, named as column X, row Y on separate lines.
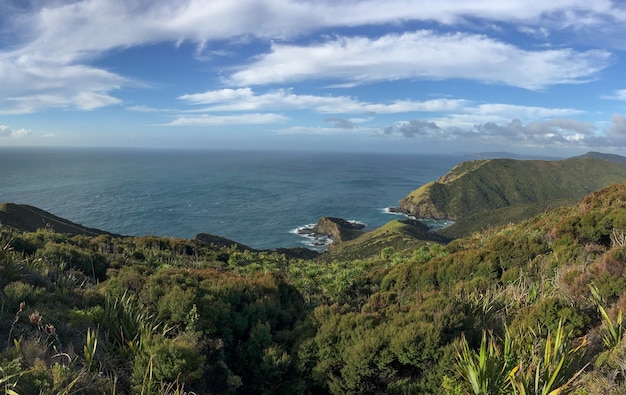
column 219, row 241
column 338, row 229
column 298, row 253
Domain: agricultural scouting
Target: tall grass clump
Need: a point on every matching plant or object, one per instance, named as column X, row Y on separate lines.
column 518, row 366
column 487, row 371
column 552, row 369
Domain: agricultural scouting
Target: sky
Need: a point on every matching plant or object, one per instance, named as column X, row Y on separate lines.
column 417, row 76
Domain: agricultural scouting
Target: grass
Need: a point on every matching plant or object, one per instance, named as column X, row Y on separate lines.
column 400, row 235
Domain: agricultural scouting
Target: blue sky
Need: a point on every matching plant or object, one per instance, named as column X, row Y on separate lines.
column 353, row 75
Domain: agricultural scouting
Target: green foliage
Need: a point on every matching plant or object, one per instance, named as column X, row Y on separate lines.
column 546, row 367
column 484, row 186
column 8, row 382
column 550, row 313
column 553, row 369
column 612, row 332
column 10, row 262
column 166, row 360
column 487, row 371
column 90, row 263
column 90, row 347
column 18, row 291
column 126, row 326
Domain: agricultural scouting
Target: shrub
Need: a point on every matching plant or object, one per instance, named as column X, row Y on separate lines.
column 165, row 360
column 548, row 314
column 17, row 292
column 90, row 263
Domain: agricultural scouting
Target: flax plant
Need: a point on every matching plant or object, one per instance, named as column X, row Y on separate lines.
column 612, row 332
column 486, row 370
column 90, row 347
column 126, row 325
column 551, row 372
column 8, row 382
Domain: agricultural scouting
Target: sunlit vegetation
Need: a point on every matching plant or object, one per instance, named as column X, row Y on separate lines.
column 528, row 308
column 481, row 194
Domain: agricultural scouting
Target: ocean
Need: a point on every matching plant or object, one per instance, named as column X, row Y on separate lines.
column 257, row 198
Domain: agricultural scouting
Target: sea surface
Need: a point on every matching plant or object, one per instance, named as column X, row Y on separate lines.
column 257, row 198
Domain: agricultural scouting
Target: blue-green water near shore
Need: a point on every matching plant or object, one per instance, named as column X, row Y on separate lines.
column 257, row 198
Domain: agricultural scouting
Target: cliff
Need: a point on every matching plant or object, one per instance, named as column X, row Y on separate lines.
column 479, row 185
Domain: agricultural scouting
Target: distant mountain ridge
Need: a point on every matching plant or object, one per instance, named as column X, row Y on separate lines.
column 497, row 188
column 599, row 155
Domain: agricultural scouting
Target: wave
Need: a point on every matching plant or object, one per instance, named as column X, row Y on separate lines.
column 317, row 241
column 312, row 239
column 393, row 211
column 357, row 224
column 434, row 224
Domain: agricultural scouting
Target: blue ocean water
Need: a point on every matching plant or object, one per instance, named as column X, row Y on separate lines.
column 257, row 198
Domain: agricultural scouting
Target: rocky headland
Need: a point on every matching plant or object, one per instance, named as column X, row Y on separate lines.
column 29, row 219
column 484, row 193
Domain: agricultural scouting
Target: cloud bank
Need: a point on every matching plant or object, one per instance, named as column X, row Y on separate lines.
column 50, row 62
column 515, row 133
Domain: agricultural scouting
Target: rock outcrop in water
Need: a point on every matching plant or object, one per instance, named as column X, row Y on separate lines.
column 338, row 229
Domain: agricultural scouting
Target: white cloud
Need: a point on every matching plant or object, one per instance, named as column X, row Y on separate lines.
column 414, row 128
column 619, row 94
column 47, row 63
column 95, row 25
column 512, row 110
column 245, row 99
column 322, row 131
column 7, row 131
column 222, row 120
column 146, row 109
column 29, row 85
column 617, row 131
column 460, row 113
column 219, row 96
column 422, row 55
column 498, row 113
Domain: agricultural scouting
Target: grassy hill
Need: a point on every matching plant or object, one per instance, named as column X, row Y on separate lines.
column 30, row 218
column 395, row 236
column 482, row 193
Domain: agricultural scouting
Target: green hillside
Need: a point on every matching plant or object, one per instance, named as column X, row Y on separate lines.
column 533, row 307
column 395, row 236
column 498, row 191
